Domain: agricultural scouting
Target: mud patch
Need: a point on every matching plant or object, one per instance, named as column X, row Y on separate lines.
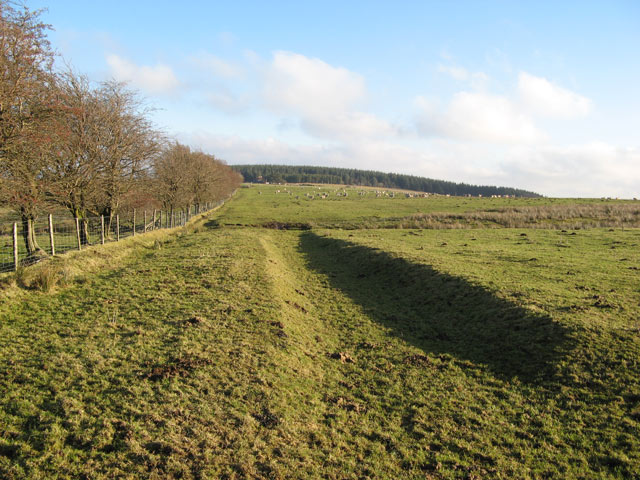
column 342, row 356
column 267, row 418
column 180, row 367
column 417, row 360
column 194, row 321
column 287, row 225
column 348, row 405
column 296, row 306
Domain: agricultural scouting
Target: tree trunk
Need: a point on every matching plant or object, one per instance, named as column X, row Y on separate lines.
column 108, row 214
column 29, row 236
column 83, row 231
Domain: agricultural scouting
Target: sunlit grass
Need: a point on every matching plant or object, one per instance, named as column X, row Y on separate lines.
column 227, row 352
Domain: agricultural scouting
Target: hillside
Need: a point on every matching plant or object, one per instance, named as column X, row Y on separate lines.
column 248, row 346
column 347, row 176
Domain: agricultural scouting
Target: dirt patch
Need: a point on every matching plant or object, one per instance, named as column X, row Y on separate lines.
column 267, row 418
column 601, row 302
column 296, row 306
column 343, row 357
column 348, row 405
column 180, row 367
column 417, row 360
column 193, row 321
column 159, row 448
column 287, row 225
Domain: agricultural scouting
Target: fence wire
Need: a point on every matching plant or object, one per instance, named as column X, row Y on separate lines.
column 74, row 234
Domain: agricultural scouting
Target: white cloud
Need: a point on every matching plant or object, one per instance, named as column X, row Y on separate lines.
column 542, row 97
column 226, row 101
column 457, row 73
column 377, row 155
column 594, row 169
column 311, row 86
column 216, row 65
column 477, row 80
column 589, row 170
column 474, row 136
column 238, row 150
column 478, row 117
column 156, row 79
column 324, row 98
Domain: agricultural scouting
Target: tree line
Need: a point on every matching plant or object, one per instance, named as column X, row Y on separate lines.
column 89, row 148
column 348, row 176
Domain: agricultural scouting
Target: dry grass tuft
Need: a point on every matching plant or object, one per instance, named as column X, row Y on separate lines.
column 572, row 217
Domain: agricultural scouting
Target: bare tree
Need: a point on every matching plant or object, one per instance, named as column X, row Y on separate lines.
column 104, row 148
column 129, row 144
column 170, row 176
column 26, row 109
column 208, row 179
column 191, row 178
column 73, row 173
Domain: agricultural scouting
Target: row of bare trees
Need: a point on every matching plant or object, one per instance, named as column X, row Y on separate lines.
column 65, row 142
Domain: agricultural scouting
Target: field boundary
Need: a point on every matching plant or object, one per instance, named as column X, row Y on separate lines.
column 57, row 235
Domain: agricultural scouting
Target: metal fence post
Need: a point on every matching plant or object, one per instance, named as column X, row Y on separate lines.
column 117, row 228
column 102, row 229
column 53, row 246
column 154, row 219
column 16, row 260
column 134, row 222
column 145, row 221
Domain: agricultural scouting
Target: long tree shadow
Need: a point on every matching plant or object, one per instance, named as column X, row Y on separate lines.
column 438, row 312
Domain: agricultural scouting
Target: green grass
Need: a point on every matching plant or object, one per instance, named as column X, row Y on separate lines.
column 226, row 352
column 261, row 204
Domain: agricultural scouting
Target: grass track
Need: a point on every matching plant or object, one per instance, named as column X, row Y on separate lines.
column 255, row 353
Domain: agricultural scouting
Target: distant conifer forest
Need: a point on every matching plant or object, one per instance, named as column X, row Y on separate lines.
column 350, row 176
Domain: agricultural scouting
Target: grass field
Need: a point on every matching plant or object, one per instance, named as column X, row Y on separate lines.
column 365, row 207
column 311, row 350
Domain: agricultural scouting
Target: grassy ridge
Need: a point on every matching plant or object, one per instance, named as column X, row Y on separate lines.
column 329, row 353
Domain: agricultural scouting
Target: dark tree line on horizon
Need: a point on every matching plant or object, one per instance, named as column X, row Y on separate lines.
column 368, row 178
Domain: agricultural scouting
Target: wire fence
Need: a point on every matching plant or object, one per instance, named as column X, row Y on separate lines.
column 58, row 234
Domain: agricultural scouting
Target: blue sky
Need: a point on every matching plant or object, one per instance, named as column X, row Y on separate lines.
column 537, row 95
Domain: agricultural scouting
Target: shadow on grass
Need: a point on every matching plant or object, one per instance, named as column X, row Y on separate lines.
column 440, row 313
column 212, row 224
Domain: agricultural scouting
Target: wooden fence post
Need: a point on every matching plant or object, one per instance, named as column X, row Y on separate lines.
column 102, row 229
column 117, row 228
column 53, row 246
column 145, row 221
column 154, row 219
column 134, row 222
column 78, row 233
column 16, row 260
